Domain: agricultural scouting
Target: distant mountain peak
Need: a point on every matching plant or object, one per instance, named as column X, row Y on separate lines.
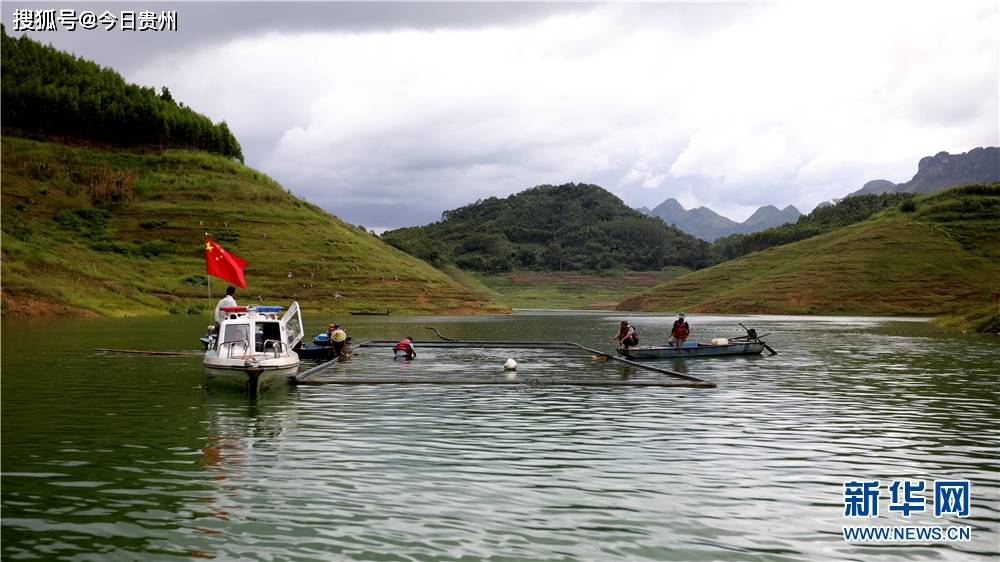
column 708, row 225
column 944, row 170
column 670, row 205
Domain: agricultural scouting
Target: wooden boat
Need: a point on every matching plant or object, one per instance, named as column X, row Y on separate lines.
column 691, row 349
column 319, row 348
column 232, row 360
column 369, row 312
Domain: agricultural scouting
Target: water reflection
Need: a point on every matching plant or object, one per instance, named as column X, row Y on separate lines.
column 151, row 464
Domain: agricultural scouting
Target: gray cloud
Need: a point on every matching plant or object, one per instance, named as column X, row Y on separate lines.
column 208, row 23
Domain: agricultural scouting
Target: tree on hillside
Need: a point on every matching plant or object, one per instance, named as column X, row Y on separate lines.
column 48, row 92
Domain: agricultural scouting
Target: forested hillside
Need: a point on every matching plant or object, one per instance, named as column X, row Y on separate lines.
column 569, row 227
column 51, row 94
column 849, row 210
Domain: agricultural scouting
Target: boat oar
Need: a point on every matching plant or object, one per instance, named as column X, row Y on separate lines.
column 757, row 339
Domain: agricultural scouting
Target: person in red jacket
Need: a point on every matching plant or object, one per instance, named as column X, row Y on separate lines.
column 404, row 349
column 679, row 333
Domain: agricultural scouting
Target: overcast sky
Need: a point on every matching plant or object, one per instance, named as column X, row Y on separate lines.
column 387, row 114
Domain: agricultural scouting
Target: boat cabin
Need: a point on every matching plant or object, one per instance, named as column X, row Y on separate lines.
column 250, row 330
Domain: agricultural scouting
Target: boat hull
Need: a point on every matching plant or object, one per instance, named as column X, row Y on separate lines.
column 250, row 380
column 702, row 350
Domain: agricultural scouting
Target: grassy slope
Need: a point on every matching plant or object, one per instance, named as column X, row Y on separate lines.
column 942, row 257
column 128, row 265
column 984, row 319
column 572, row 290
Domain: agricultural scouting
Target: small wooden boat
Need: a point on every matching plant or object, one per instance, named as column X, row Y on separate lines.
column 253, row 347
column 320, row 347
column 313, row 351
column 369, row 312
column 749, row 344
column 691, row 349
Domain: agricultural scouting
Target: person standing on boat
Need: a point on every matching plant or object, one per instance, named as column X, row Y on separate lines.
column 626, row 335
column 227, row 300
column 404, row 349
column 679, row 333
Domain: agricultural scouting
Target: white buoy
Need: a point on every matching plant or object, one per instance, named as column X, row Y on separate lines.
column 510, row 365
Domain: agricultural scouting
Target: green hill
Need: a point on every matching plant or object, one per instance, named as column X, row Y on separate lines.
column 931, row 255
column 571, row 227
column 116, row 232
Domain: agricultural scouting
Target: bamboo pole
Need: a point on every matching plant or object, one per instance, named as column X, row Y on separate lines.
column 470, row 343
column 144, row 352
column 645, row 366
column 300, row 378
column 440, row 335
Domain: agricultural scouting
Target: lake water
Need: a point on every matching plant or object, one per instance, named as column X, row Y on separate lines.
column 117, row 457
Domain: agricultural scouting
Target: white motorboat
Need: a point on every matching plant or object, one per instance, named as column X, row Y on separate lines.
column 253, row 347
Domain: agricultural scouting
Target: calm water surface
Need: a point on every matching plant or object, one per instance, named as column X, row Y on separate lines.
column 114, row 457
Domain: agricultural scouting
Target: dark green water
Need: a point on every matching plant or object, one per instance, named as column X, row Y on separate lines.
column 113, row 457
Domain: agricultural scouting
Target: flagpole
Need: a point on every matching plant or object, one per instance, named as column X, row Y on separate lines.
column 208, row 278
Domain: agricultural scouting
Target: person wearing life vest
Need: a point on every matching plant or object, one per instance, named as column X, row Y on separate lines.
column 680, row 331
column 626, row 335
column 404, row 349
column 338, row 339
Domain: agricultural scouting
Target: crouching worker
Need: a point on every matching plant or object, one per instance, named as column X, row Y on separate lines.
column 626, row 335
column 404, row 349
column 338, row 340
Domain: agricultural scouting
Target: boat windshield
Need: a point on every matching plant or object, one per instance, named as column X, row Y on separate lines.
column 292, row 320
column 236, row 332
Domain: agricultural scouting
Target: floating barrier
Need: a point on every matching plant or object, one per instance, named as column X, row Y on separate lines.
column 304, row 378
column 449, row 343
column 533, row 382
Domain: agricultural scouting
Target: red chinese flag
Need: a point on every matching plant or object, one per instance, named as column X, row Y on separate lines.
column 224, row 265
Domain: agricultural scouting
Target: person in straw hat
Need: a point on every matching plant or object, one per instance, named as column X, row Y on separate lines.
column 679, row 333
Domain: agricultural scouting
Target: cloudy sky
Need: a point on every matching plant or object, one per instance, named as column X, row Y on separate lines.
column 387, row 114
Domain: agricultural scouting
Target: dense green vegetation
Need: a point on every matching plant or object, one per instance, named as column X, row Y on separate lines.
column 115, row 232
column 569, row 227
column 933, row 254
column 849, row 210
column 49, row 93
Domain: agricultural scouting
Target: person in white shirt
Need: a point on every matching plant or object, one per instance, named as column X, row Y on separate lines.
column 227, row 300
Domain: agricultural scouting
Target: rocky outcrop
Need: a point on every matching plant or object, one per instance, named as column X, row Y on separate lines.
column 943, row 170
